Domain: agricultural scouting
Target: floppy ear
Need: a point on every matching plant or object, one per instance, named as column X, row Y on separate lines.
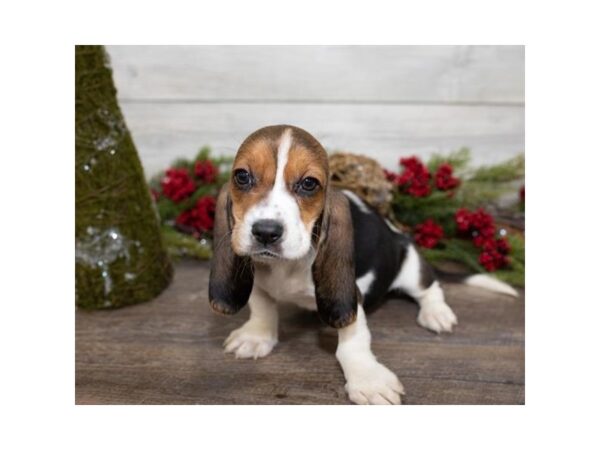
column 231, row 276
column 333, row 270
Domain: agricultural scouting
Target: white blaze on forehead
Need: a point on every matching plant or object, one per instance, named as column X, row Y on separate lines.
column 282, row 156
column 281, row 205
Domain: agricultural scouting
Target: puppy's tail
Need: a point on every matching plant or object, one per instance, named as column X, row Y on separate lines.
column 479, row 280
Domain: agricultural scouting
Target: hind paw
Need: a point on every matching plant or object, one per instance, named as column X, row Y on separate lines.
column 437, row 317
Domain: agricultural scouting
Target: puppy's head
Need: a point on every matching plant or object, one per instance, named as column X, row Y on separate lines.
column 278, row 190
column 277, row 206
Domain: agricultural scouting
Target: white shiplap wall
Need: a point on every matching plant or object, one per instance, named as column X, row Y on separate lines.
column 383, row 101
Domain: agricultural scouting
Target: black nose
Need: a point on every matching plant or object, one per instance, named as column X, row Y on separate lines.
column 267, row 231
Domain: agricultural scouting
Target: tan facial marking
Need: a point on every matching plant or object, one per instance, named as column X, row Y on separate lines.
column 258, row 158
column 303, row 163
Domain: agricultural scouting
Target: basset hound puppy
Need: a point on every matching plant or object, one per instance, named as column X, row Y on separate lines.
column 282, row 234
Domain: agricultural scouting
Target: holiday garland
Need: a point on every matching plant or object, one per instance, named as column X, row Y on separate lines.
column 473, row 216
column 185, row 197
column 448, row 208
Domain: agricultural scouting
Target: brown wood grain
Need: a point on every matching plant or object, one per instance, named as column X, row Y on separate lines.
column 169, row 351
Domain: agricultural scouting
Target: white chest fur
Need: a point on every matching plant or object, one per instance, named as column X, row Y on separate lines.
column 288, row 281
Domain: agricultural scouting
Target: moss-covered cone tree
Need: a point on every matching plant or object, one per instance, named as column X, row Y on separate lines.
column 120, row 257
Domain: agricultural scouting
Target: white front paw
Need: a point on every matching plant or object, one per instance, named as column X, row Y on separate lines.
column 374, row 385
column 250, row 341
column 436, row 316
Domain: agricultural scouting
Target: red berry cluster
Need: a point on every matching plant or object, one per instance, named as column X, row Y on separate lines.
column 480, row 227
column 206, row 171
column 177, row 184
column 415, row 179
column 428, row 234
column 201, row 217
column 444, row 180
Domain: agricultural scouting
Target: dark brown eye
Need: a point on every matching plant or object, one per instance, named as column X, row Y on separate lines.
column 242, row 178
column 308, row 185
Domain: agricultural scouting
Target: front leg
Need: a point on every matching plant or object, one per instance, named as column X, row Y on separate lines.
column 367, row 381
column 257, row 337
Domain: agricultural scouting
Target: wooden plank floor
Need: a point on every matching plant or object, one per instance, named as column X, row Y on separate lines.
column 169, row 351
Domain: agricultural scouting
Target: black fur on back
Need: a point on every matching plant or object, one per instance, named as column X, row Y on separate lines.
column 378, row 248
